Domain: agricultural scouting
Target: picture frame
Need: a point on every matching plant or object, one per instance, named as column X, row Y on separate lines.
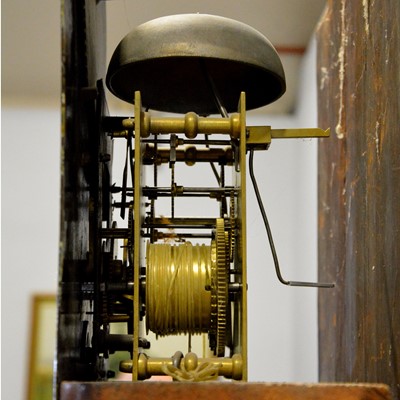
column 42, row 347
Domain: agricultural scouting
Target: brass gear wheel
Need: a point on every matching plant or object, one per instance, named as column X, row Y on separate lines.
column 232, row 240
column 219, row 290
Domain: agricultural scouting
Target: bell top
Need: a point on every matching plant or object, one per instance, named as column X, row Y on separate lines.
column 178, row 61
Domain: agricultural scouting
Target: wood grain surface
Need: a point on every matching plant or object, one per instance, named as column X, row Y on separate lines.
column 219, row 391
column 359, row 192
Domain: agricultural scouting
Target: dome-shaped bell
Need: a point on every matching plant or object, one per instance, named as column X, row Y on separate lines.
column 176, row 61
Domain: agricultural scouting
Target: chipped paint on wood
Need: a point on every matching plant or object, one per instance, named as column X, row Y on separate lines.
column 340, row 126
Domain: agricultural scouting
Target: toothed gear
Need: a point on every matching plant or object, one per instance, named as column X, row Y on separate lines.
column 219, row 291
column 131, row 234
column 233, row 227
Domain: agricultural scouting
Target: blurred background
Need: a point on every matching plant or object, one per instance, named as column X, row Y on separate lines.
column 282, row 321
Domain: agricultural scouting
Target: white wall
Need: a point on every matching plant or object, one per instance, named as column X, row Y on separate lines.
column 30, row 225
column 282, row 320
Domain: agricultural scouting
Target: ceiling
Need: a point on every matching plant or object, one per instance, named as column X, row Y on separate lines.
column 31, row 40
